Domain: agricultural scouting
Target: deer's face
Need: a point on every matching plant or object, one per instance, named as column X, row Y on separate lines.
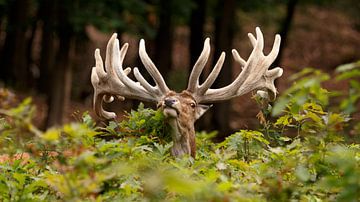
column 182, row 106
column 181, row 112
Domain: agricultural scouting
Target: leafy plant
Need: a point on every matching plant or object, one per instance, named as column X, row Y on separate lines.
column 303, row 155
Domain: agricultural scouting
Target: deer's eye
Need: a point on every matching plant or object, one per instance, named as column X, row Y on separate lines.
column 192, row 105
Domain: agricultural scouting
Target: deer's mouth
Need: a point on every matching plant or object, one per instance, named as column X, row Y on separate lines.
column 170, row 111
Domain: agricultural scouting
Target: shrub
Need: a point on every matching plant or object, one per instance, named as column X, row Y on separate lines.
column 305, row 154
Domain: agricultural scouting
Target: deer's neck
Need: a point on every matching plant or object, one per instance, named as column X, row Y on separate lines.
column 183, row 136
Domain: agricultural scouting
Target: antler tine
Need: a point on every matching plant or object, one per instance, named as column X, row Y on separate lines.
column 117, row 59
column 213, row 75
column 257, row 52
column 143, row 82
column 97, row 75
column 276, row 48
column 99, row 72
column 255, row 74
column 199, row 66
column 252, row 39
column 161, row 88
column 259, row 40
column 108, row 57
column 263, row 63
column 114, row 82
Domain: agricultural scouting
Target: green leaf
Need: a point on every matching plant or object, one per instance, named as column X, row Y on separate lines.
column 302, row 173
column 283, row 120
column 51, row 135
column 279, row 106
column 347, row 67
column 20, row 178
column 181, row 184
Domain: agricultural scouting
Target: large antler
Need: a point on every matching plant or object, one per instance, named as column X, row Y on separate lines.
column 255, row 74
column 115, row 82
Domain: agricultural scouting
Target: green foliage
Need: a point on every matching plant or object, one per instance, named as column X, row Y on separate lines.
column 246, row 144
column 350, row 72
column 182, row 10
column 110, row 15
column 145, row 122
column 305, row 154
column 306, row 88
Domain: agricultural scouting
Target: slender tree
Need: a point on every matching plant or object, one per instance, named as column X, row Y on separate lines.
column 14, row 68
column 224, row 32
column 59, row 96
column 164, row 38
column 3, row 8
column 47, row 14
column 197, row 23
column 30, row 62
column 285, row 28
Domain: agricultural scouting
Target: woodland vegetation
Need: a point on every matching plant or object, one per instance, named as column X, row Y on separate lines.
column 304, row 146
column 310, row 152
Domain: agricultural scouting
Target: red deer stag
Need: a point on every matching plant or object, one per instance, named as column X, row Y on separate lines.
column 182, row 109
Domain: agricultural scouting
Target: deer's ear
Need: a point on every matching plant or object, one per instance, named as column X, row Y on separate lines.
column 200, row 110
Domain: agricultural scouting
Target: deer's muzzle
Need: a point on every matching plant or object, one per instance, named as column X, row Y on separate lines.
column 170, row 107
column 169, row 102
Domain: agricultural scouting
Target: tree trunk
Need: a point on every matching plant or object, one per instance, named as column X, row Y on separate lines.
column 224, row 32
column 14, row 69
column 31, row 76
column 197, row 22
column 2, row 18
column 164, row 39
column 60, row 94
column 285, row 28
column 48, row 17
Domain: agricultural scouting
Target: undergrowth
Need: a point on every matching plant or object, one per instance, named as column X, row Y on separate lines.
column 308, row 152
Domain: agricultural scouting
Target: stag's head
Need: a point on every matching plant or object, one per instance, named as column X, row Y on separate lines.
column 179, row 105
column 182, row 109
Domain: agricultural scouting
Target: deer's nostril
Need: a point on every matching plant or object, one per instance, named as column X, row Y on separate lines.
column 169, row 102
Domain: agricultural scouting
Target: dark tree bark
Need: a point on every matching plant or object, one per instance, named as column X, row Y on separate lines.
column 224, row 32
column 164, row 38
column 60, row 94
column 14, row 69
column 285, row 28
column 29, row 54
column 2, row 18
column 48, row 17
column 197, row 22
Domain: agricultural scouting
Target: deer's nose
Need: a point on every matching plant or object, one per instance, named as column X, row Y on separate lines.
column 169, row 102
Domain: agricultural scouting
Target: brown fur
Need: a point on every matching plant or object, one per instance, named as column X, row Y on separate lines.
column 183, row 125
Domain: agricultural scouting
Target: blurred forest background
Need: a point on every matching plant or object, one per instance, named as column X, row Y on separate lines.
column 47, row 46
